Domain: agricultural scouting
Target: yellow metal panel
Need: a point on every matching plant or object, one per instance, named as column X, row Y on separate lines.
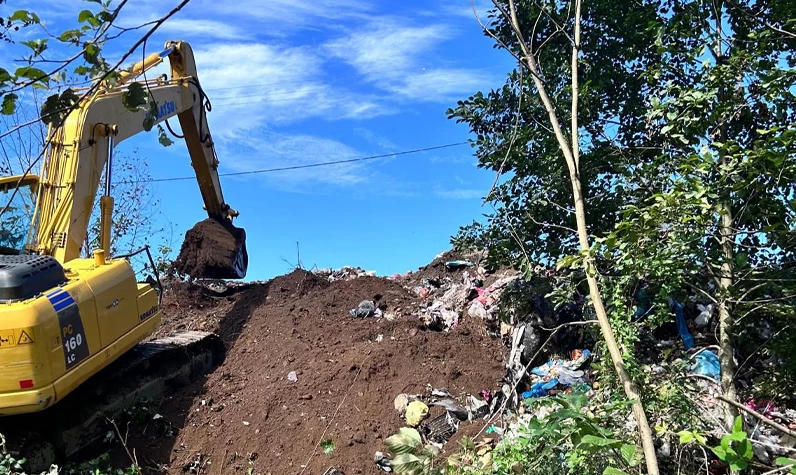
column 24, row 362
column 115, row 291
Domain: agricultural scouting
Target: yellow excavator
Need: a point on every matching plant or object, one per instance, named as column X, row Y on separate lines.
column 65, row 318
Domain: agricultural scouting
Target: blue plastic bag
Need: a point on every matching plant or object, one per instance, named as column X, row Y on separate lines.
column 707, row 364
column 682, row 327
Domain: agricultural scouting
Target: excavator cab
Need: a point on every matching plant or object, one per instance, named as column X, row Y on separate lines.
column 17, row 198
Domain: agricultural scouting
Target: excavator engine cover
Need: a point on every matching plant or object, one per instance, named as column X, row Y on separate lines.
column 213, row 250
column 25, row 276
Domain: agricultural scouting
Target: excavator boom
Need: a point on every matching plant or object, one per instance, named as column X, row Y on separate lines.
column 83, row 146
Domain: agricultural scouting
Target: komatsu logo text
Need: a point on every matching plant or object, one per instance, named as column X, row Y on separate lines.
column 167, row 108
column 152, row 311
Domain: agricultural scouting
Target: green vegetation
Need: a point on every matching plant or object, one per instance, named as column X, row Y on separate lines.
column 681, row 162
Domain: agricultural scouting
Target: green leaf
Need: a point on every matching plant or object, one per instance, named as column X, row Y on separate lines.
column 734, row 437
column 24, row 16
column 55, row 108
column 745, row 449
column 406, row 463
column 628, row 452
column 666, row 128
column 430, row 451
column 82, row 70
column 4, row 76
column 720, row 452
column 784, row 461
column 686, row 436
column 38, row 46
column 405, row 441
column 34, row 74
column 163, row 138
column 134, row 97
column 71, row 36
column 149, row 122
column 738, row 426
column 91, row 53
column 599, row 441
column 328, row 446
column 104, row 16
column 614, row 471
column 738, row 465
column 9, row 103
column 85, row 15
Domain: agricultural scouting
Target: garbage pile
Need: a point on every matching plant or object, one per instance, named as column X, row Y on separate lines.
column 435, row 416
column 343, row 273
column 558, row 375
column 460, row 293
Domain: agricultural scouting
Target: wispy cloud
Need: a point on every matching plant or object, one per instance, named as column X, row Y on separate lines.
column 270, row 150
column 404, row 60
column 460, row 193
column 203, row 28
column 270, row 18
column 282, row 85
column 376, row 139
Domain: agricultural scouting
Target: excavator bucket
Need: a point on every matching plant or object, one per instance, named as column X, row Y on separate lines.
column 213, row 249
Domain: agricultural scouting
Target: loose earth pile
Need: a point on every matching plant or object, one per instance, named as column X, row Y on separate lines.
column 248, row 413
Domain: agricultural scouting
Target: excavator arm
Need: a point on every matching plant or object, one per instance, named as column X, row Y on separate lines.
column 83, row 146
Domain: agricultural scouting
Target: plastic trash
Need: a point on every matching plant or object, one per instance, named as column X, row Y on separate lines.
column 707, row 364
column 476, row 407
column 705, row 312
column 366, row 308
column 451, row 406
column 568, row 377
column 682, row 326
column 416, row 411
column 456, row 265
column 291, row 376
column 540, row 389
column 382, row 461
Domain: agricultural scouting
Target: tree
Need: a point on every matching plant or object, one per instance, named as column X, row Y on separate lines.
column 547, row 158
column 683, row 115
column 724, row 113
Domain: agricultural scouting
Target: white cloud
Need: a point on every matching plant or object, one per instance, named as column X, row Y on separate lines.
column 203, row 28
column 262, row 18
column 401, row 59
column 376, row 139
column 281, row 85
column 464, row 8
column 271, row 150
column 460, row 193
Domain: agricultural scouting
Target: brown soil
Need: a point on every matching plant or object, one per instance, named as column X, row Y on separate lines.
column 349, row 371
column 209, row 250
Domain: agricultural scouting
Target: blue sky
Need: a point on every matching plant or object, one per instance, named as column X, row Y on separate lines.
column 296, row 83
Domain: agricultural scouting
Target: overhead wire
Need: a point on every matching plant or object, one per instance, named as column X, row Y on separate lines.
column 309, row 165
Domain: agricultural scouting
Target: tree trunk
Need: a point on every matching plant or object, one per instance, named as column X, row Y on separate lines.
column 726, row 233
column 726, row 358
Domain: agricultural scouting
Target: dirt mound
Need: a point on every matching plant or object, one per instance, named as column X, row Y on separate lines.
column 211, row 249
column 249, row 413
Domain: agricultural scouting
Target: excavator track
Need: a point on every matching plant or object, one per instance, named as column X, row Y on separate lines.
column 150, row 370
